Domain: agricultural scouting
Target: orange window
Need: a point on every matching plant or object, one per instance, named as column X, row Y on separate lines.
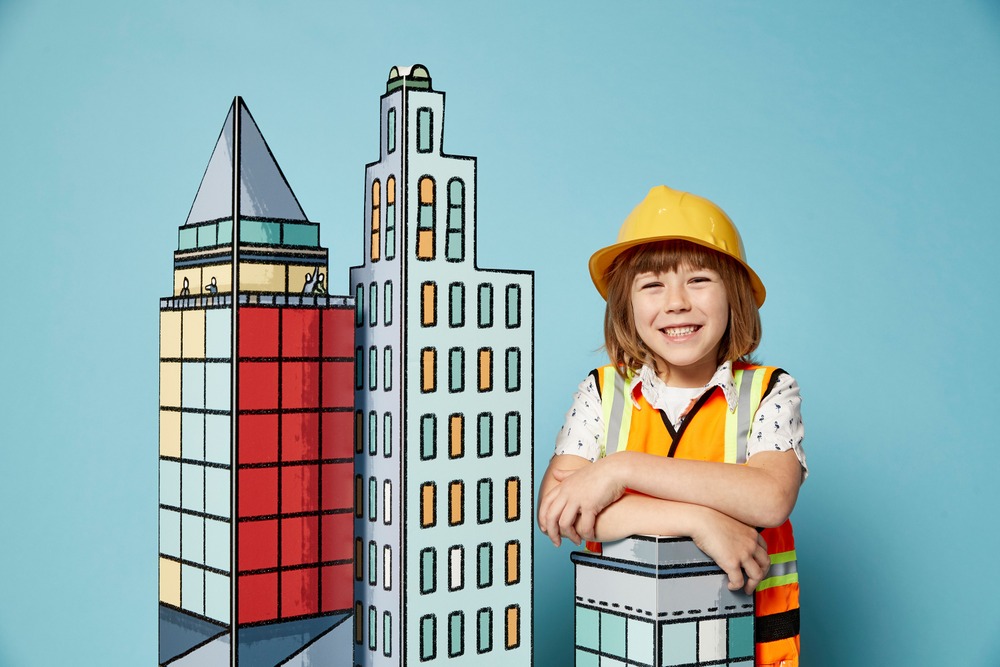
column 513, row 565
column 456, row 436
column 485, row 369
column 358, row 561
column 456, row 500
column 428, row 514
column 513, row 498
column 428, row 304
column 358, row 432
column 358, row 634
column 376, row 211
column 513, row 626
column 358, row 495
column 428, row 369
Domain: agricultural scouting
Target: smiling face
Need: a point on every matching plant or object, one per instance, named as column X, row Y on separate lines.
column 681, row 316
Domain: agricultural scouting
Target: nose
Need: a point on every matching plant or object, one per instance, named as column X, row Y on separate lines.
column 675, row 299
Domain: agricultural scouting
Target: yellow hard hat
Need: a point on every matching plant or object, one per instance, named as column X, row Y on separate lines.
column 667, row 214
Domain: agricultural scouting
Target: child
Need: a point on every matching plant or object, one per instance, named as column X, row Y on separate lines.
column 681, row 401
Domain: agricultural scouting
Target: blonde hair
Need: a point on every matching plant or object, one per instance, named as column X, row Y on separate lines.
column 621, row 340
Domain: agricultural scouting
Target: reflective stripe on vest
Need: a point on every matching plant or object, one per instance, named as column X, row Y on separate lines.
column 616, row 411
column 784, row 570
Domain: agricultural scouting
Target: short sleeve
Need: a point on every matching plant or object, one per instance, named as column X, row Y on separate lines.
column 581, row 430
column 777, row 426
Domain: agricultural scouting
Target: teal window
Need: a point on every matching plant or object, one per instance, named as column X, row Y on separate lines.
column 740, row 635
column 372, row 510
column 170, row 533
column 373, row 367
column 588, row 625
column 187, row 238
column 373, row 304
column 484, row 434
column 484, row 565
column 639, row 636
column 387, row 301
column 387, row 435
column 428, row 637
column 359, row 357
column 513, row 306
column 359, row 305
column 678, row 643
column 259, row 231
column 387, row 368
column 456, row 304
column 485, row 305
column 425, row 126
column 428, row 437
column 456, row 369
column 513, row 434
column 484, row 630
column 372, row 433
column 428, row 570
column 613, row 635
column 170, row 483
column 386, row 634
column 225, row 231
column 456, row 634
column 372, row 565
column 300, row 234
column 484, row 500
column 390, row 136
column 513, row 369
column 208, row 235
column 372, row 627
column 454, row 245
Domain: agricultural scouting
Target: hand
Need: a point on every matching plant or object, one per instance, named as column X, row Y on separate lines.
column 735, row 547
column 570, row 508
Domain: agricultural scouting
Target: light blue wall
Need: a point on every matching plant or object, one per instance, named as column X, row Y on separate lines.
column 855, row 145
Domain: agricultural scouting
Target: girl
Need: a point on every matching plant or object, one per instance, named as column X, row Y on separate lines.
column 680, row 401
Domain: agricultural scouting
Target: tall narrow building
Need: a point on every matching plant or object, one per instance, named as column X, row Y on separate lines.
column 443, row 410
column 256, row 404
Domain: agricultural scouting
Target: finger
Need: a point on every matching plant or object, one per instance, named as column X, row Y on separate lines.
column 735, row 574
column 585, row 525
column 567, row 525
column 559, row 474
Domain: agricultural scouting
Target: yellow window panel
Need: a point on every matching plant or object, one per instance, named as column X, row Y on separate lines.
column 170, row 384
column 425, row 244
column 457, row 436
column 513, row 499
column 428, row 515
column 485, row 369
column 428, row 369
column 456, row 500
column 193, row 334
column 170, row 334
column 170, row 433
column 513, row 626
column 428, row 304
column 170, row 582
column 513, row 566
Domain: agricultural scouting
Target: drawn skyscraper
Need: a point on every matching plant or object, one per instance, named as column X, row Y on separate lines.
column 255, row 457
column 443, row 420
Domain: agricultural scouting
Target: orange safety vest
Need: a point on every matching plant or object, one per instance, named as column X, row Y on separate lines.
column 710, row 432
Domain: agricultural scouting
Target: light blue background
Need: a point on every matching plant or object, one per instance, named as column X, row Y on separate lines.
column 857, row 147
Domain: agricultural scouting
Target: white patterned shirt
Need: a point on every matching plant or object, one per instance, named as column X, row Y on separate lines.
column 777, row 426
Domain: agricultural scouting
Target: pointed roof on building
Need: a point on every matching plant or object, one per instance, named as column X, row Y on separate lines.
column 264, row 192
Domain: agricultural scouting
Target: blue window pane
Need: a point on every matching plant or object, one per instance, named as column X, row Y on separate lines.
column 372, row 505
column 513, row 369
column 256, row 231
column 387, row 368
column 484, row 631
column 587, row 626
column 390, row 129
column 193, row 384
column 428, row 637
column 424, row 129
column 192, row 487
column 372, row 566
column 485, row 305
column 218, row 380
column 678, row 643
column 640, row 641
column 613, row 635
column 217, row 432
column 456, row 634
column 170, row 533
column 372, row 628
column 513, row 306
column 428, row 437
column 484, row 565
column 387, row 435
column 456, row 305
column 386, row 634
column 217, row 596
column 372, row 433
column 428, row 570
column 485, row 434
column 192, row 538
column 192, row 436
column 456, row 369
column 373, row 304
column 170, row 483
column 217, row 497
column 187, row 238
column 387, row 302
column 513, row 434
column 390, row 231
column 208, row 235
column 484, row 500
column 359, row 305
column 217, row 546
column 218, row 333
column 741, row 637
column 226, row 231
column 301, row 234
column 193, row 589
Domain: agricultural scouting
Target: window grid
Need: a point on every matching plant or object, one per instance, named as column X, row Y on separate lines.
column 376, row 214
column 390, row 218
column 454, row 247
column 426, row 219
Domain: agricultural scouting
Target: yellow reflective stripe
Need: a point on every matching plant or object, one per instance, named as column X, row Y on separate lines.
column 756, row 392
column 626, row 424
column 732, row 422
column 783, row 580
column 783, row 557
column 607, row 400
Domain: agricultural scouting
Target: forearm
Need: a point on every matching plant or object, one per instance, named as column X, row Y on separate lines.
column 635, row 514
column 757, row 495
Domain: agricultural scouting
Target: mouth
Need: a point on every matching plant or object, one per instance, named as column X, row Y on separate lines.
column 677, row 332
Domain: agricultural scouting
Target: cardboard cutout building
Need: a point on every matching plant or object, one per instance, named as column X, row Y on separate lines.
column 365, row 459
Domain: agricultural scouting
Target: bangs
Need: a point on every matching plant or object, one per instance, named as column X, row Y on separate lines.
column 666, row 256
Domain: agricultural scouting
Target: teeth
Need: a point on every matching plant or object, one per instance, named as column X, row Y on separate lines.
column 680, row 331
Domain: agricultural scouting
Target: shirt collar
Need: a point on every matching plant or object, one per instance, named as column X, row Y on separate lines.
column 723, row 379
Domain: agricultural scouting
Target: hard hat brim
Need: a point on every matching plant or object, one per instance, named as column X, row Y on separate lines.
column 602, row 260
